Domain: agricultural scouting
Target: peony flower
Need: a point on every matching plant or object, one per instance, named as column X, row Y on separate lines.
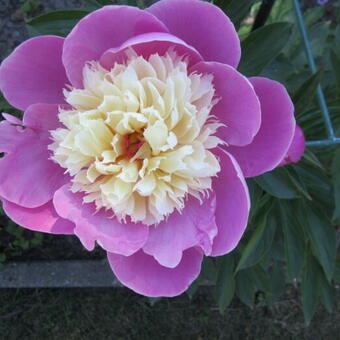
column 296, row 149
column 137, row 134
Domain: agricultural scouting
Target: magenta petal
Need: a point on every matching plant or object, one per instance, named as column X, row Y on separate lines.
column 105, row 28
column 195, row 226
column 144, row 275
column 238, row 107
column 33, row 73
column 44, row 218
column 202, row 25
column 233, row 204
column 148, row 44
column 12, row 119
column 99, row 226
column 271, row 143
column 42, row 117
column 10, row 136
column 27, row 176
column 296, row 149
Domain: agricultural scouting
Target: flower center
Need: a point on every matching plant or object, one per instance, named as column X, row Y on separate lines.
column 136, row 140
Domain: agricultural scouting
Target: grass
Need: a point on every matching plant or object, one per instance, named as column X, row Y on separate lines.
column 74, row 314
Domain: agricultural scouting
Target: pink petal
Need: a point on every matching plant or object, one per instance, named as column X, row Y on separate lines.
column 195, row 226
column 148, row 44
column 271, row 143
column 27, row 176
column 101, row 226
column 233, row 205
column 34, row 73
column 202, row 25
column 105, row 28
column 42, row 117
column 296, row 149
column 44, row 218
column 10, row 135
column 12, row 119
column 238, row 107
column 144, row 275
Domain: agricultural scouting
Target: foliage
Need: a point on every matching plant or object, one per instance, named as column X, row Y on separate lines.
column 15, row 240
column 292, row 232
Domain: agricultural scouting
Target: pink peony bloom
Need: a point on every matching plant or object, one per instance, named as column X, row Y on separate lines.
column 296, row 149
column 137, row 134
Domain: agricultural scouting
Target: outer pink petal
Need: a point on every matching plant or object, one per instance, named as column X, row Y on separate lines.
column 148, row 44
column 27, row 176
column 42, row 117
column 233, row 205
column 105, row 28
column 271, row 143
column 203, row 26
column 238, row 107
column 44, row 218
column 12, row 119
column 100, row 226
column 34, row 73
column 296, row 149
column 144, row 275
column 195, row 226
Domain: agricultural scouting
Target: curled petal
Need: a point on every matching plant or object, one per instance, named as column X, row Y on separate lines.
column 43, row 219
column 148, row 44
column 101, row 226
column 271, row 143
column 33, row 73
column 296, row 149
column 233, row 204
column 238, row 107
column 27, row 176
column 42, row 117
column 144, row 275
column 203, row 26
column 12, row 119
column 105, row 28
column 195, row 226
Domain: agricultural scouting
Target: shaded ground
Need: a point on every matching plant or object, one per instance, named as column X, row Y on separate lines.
column 121, row 314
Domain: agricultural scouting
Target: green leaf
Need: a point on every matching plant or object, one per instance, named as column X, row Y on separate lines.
column 57, row 22
column 278, row 184
column 326, row 291
column 335, row 61
column 302, row 98
column 209, row 270
column 191, row 291
column 336, row 179
column 259, row 243
column 293, row 239
column 225, row 284
column 323, row 240
column 236, row 10
column 245, row 287
column 309, row 289
column 262, row 46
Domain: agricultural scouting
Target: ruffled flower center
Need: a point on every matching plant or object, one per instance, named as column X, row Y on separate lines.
column 136, row 140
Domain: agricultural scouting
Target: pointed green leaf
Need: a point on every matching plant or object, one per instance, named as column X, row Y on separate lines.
column 262, row 46
column 278, row 184
column 309, row 289
column 323, row 240
column 56, row 22
column 259, row 243
column 225, row 284
column 293, row 240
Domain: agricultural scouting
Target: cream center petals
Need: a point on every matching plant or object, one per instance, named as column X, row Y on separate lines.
column 137, row 138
